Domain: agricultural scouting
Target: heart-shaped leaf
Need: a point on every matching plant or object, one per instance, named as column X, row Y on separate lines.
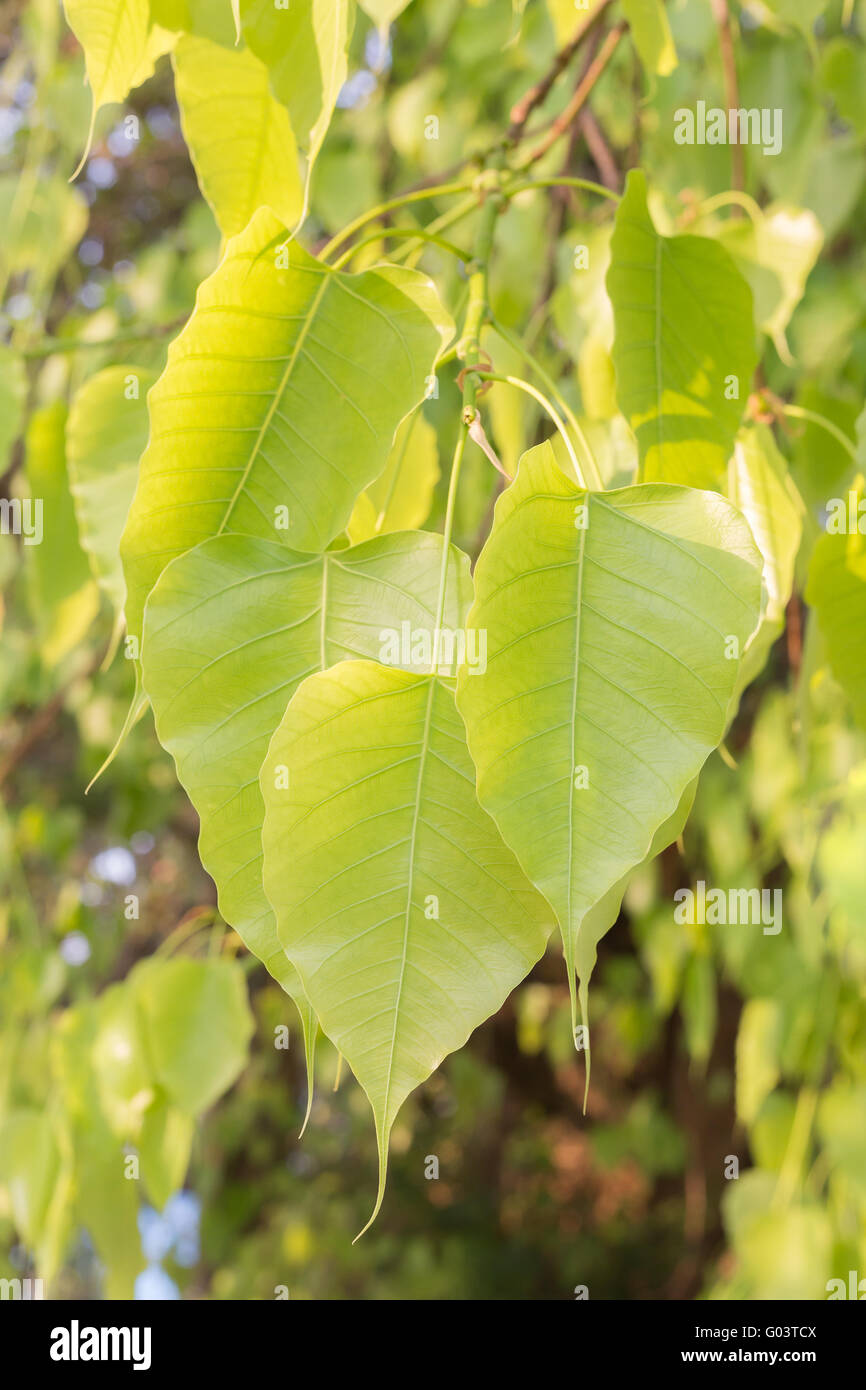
column 615, row 623
column 279, row 402
column 231, row 630
column 240, row 137
column 408, row 919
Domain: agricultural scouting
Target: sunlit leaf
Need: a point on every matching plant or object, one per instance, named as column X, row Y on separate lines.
column 29, row 1166
column 120, row 1061
column 383, row 12
column 600, row 918
column 407, row 918
column 114, row 35
column 775, row 253
column 240, row 138
column 63, row 595
column 104, row 1200
column 800, row 14
column 760, row 485
column 197, row 1025
column 837, row 592
column 164, row 1145
column 279, row 402
column 208, row 19
column 757, row 1056
column 106, row 433
column 38, row 236
column 305, row 49
column 614, row 625
column 843, row 72
column 401, row 497
column 684, row 350
column 652, row 35
column 231, row 630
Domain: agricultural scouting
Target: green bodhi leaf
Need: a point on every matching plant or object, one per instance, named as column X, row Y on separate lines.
column 305, row 49
column 652, row 35
column 684, row 348
column 408, row 919
column 106, row 433
column 615, row 623
column 196, row 1023
column 279, row 402
column 837, row 590
column 114, row 36
column 401, row 497
column 240, row 138
column 231, row 630
column 760, row 486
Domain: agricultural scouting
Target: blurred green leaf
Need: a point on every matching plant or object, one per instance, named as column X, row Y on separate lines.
column 197, row 1025
column 684, row 350
column 63, row 595
column 240, row 138
column 106, row 433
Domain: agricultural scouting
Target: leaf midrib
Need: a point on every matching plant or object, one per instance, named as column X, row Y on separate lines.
column 409, row 886
column 576, row 682
column 277, row 397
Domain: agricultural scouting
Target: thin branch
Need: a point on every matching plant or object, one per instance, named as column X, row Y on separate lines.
column 599, row 149
column 49, row 346
column 722, row 16
column 523, row 109
column 413, row 234
column 581, row 95
column 559, row 181
column 401, row 200
column 547, row 406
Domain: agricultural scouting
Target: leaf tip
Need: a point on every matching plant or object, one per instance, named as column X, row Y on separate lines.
column 382, row 1142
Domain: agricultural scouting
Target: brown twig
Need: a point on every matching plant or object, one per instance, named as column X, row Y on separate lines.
column 581, row 95
column 522, row 110
column 722, row 16
column 599, row 150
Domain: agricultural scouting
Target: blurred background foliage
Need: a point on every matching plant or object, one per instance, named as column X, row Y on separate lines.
column 132, row 1026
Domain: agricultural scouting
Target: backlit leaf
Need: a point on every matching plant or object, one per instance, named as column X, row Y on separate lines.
column 63, row 595
column 113, row 34
column 197, row 1025
column 837, row 593
column 684, row 350
column 614, row 622
column 279, row 402
column 652, row 35
column 240, row 138
column 231, row 630
column 106, row 433
column 760, row 486
column 305, row 49
column 401, row 497
column 407, row 918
